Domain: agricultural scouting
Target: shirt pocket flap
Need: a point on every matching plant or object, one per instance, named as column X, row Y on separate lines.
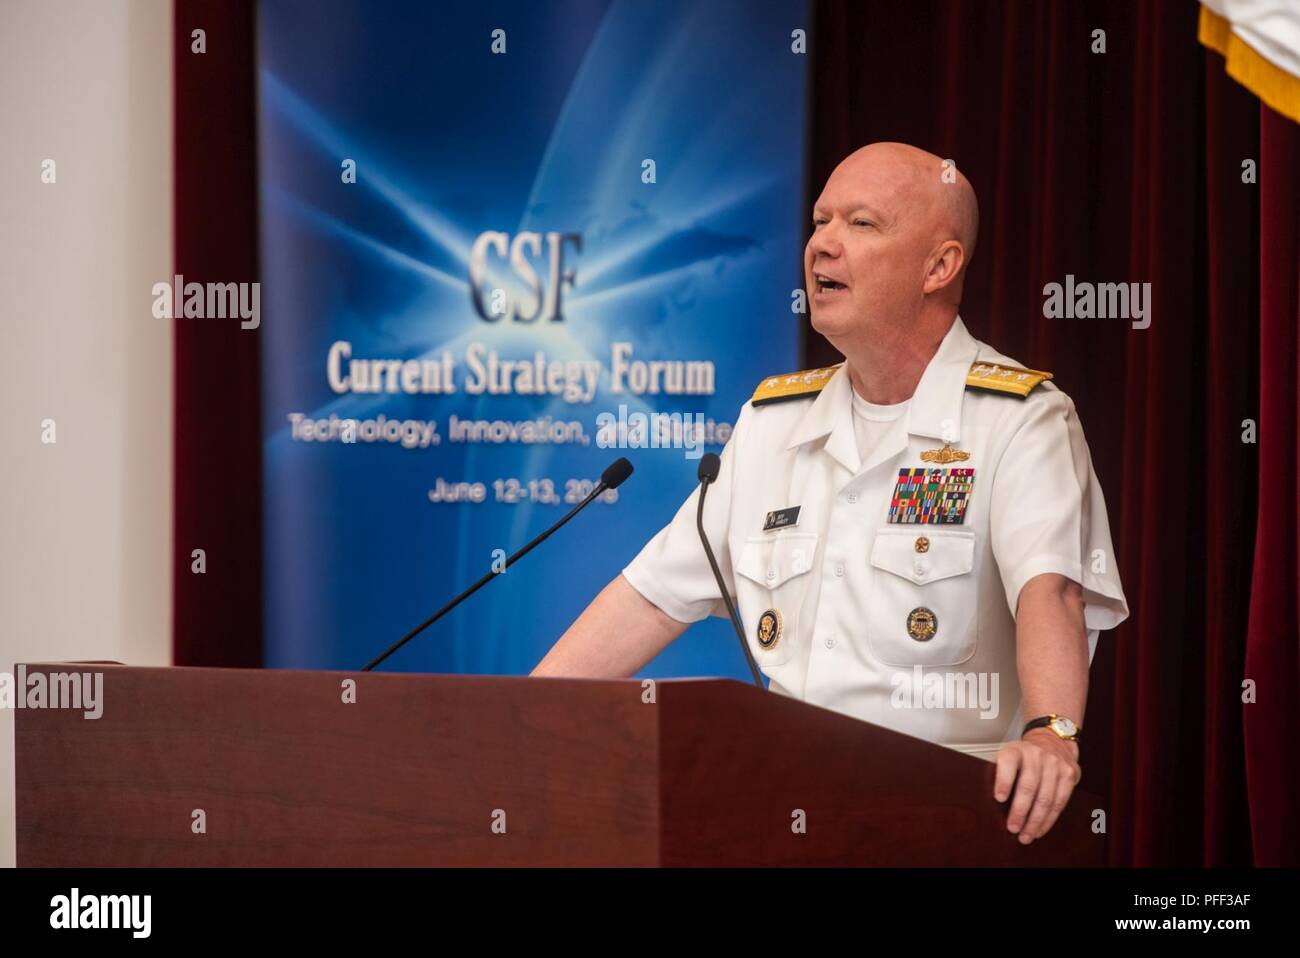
column 772, row 560
column 921, row 555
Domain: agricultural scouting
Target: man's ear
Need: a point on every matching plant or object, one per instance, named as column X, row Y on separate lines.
column 945, row 266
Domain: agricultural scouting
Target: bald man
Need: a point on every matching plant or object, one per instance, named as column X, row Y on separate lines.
column 915, row 536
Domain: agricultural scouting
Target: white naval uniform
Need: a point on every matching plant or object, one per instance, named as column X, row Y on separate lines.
column 845, row 579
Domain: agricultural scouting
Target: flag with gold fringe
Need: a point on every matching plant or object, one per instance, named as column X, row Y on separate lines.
column 1260, row 40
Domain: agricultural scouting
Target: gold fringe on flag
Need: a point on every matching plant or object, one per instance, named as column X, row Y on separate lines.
column 1273, row 85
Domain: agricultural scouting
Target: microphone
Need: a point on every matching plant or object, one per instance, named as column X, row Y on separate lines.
column 615, row 475
column 708, row 473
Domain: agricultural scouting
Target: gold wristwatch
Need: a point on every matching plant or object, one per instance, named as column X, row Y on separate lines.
column 1058, row 724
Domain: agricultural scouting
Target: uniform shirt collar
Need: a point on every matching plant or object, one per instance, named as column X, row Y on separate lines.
column 935, row 409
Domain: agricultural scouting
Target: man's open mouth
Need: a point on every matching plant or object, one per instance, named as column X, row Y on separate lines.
column 826, row 284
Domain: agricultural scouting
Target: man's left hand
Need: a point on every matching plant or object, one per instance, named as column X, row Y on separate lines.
column 1044, row 769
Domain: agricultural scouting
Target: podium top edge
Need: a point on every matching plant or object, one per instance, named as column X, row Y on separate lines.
column 352, row 673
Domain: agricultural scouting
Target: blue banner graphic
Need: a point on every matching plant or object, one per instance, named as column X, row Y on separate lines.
column 502, row 245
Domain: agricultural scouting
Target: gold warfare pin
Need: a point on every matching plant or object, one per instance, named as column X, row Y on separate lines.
column 769, row 629
column 945, row 455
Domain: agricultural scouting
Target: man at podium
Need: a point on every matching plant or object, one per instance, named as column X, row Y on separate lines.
column 914, row 537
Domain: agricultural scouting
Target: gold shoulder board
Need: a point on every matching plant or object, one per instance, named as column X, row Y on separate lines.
column 800, row 385
column 1008, row 380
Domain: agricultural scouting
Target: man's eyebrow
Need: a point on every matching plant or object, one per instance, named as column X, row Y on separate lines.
column 854, row 205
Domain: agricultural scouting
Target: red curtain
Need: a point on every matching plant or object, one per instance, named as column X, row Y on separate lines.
column 1126, row 166
column 218, row 432
column 1272, row 660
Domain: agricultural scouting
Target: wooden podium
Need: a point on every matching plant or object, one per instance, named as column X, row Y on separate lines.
column 472, row 771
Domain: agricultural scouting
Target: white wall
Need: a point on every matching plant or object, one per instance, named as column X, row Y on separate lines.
column 85, row 523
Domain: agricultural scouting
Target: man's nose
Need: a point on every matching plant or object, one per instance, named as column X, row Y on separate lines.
column 824, row 242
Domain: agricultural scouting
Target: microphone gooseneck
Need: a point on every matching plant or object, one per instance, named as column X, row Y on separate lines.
column 709, row 467
column 614, row 476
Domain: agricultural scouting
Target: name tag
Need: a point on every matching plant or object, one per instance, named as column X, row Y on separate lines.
column 782, row 518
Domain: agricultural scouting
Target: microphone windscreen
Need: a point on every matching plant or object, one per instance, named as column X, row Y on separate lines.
column 615, row 474
column 709, row 466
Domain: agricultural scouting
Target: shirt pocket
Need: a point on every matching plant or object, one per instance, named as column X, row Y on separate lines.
column 923, row 607
column 771, row 583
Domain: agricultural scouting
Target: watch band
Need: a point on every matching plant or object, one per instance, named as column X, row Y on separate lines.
column 1059, row 725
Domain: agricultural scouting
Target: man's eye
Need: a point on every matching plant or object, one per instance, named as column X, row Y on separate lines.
column 863, row 223
column 819, row 222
